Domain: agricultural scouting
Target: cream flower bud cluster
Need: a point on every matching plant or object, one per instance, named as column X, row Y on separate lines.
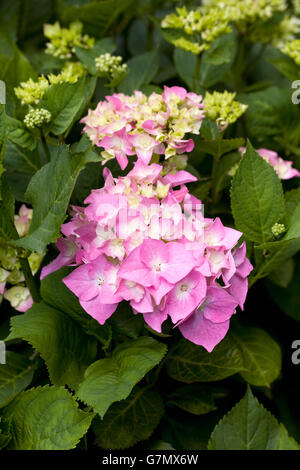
column 37, row 117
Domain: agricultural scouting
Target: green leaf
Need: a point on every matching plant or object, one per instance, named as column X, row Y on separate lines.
column 282, row 62
column 14, row 66
column 193, row 398
column 64, row 101
column 185, row 63
column 65, row 348
column 256, row 197
column 4, row 432
column 96, row 16
column 288, row 298
column 129, row 421
column 292, row 201
column 112, row 379
column 56, row 294
column 142, row 69
column 284, row 274
column 7, row 209
column 49, row 207
column 3, row 134
column 88, row 56
column 249, row 426
column 19, row 135
column 222, row 50
column 46, row 418
column 189, row 363
column 260, row 353
column 274, row 255
column 270, row 114
column 9, row 18
column 220, row 146
column 294, row 228
column 15, row 376
column 124, row 323
column 209, row 130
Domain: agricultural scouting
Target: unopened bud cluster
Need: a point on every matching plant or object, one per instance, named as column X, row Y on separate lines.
column 37, row 117
column 111, row 66
column 222, row 108
column 278, row 229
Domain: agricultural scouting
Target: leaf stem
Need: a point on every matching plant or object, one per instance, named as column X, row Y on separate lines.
column 30, row 281
column 45, row 147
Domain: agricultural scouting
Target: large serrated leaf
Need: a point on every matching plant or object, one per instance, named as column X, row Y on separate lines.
column 190, row 363
column 129, row 421
column 64, row 101
column 46, row 418
column 142, row 68
column 55, row 293
column 287, row 298
column 193, row 398
column 256, row 197
column 112, row 379
column 249, row 426
column 50, row 201
column 261, row 355
column 66, row 349
column 15, row 375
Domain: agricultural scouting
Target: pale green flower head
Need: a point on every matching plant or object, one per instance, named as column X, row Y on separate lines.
column 71, row 72
column 37, row 117
column 203, row 25
column 31, row 92
column 64, row 40
column 213, row 18
column 222, row 108
column 292, row 49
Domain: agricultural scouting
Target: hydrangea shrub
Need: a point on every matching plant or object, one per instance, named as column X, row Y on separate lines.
column 149, row 225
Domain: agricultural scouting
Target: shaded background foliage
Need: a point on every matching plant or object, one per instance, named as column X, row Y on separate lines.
column 152, row 391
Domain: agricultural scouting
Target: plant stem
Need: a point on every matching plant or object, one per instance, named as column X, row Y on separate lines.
column 196, row 71
column 30, row 281
column 45, row 147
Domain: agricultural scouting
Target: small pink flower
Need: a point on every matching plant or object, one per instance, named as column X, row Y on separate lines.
column 119, row 145
column 67, row 248
column 185, row 296
column 174, row 91
column 144, row 146
column 94, row 285
column 208, row 325
column 154, row 261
